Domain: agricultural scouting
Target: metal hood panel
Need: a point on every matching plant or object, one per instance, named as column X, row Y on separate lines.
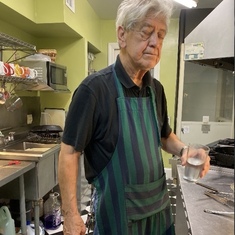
column 216, row 32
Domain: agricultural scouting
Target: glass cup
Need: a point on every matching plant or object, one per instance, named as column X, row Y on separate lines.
column 13, row 102
column 196, row 157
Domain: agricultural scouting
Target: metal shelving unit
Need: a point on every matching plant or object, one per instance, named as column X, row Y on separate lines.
column 13, row 44
column 9, row 43
column 12, row 79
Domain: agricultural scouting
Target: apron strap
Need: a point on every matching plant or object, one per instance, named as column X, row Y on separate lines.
column 118, row 84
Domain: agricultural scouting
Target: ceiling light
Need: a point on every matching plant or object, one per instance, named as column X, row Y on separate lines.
column 187, row 3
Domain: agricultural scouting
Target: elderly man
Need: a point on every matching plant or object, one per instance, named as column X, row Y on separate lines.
column 118, row 117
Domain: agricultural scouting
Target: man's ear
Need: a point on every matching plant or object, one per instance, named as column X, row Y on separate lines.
column 121, row 35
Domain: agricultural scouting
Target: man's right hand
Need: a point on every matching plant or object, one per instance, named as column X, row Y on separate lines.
column 74, row 225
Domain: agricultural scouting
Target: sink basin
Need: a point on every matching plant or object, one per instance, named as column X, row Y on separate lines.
column 28, row 151
column 28, row 146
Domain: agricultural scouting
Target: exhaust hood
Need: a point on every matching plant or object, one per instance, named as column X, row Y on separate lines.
column 212, row 41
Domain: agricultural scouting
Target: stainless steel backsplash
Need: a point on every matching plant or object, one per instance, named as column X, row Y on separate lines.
column 18, row 118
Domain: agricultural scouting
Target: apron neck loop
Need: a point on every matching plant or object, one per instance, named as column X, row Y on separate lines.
column 154, row 107
column 118, row 83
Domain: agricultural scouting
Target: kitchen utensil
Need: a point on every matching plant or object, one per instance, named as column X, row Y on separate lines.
column 223, row 200
column 46, row 128
column 219, row 212
column 10, row 163
column 207, row 186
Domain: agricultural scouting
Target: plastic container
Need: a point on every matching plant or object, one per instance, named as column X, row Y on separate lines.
column 52, row 212
column 7, row 224
column 31, row 230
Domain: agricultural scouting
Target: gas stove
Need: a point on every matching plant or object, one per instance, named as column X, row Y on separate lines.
column 46, row 134
column 222, row 153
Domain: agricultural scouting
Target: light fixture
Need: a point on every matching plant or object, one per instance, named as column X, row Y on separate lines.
column 187, row 3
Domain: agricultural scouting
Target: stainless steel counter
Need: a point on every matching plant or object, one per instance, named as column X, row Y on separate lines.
column 195, row 201
column 9, row 173
column 38, row 181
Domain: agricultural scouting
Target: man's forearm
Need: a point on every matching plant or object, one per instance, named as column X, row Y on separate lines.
column 68, row 176
column 172, row 144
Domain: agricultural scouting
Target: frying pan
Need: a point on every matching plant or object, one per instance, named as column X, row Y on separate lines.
column 46, row 129
column 223, row 155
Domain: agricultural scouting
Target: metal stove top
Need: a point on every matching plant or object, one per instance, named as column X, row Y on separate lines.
column 46, row 135
column 222, row 153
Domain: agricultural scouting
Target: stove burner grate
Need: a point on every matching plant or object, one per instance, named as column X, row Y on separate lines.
column 44, row 137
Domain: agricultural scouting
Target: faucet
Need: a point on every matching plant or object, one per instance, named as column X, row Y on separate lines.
column 5, row 140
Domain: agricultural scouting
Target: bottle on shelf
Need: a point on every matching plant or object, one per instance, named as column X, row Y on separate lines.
column 52, row 212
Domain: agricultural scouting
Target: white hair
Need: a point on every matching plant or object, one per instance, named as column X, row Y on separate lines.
column 130, row 12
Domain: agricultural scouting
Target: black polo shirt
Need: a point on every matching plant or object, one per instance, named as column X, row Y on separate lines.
column 92, row 120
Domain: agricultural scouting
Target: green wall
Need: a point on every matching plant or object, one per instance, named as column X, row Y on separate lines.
column 108, row 35
column 168, row 72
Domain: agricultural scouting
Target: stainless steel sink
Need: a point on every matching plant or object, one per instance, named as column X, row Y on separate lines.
column 28, row 146
column 28, row 150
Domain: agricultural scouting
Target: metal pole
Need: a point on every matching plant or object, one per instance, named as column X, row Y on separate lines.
column 22, row 205
column 36, row 216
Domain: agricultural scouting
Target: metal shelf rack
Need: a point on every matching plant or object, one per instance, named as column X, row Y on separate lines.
column 10, row 43
column 12, row 79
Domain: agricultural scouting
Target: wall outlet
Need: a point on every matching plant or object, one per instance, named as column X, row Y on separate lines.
column 29, row 118
column 205, row 119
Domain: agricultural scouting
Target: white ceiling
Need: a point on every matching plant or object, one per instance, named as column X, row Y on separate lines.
column 106, row 9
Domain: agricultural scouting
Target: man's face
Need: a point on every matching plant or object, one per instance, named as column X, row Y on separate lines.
column 142, row 45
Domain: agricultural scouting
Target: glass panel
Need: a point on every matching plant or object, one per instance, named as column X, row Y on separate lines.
column 207, row 92
column 226, row 97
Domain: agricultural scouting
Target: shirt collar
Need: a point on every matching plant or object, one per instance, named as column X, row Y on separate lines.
column 126, row 80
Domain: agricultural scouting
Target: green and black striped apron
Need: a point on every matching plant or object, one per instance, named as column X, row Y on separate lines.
column 131, row 189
